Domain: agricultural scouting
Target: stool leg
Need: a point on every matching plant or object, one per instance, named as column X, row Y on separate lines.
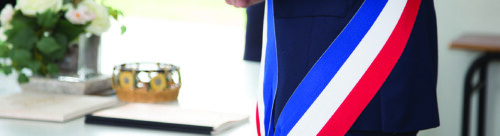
column 478, row 64
column 481, row 116
column 466, row 102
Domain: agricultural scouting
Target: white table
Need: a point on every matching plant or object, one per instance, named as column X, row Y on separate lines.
column 77, row 127
column 231, row 90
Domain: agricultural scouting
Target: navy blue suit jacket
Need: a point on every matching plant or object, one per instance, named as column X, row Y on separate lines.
column 407, row 99
column 253, row 36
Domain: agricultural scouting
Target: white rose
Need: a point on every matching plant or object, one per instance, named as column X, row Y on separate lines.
column 6, row 61
column 80, row 15
column 101, row 22
column 31, row 7
column 27, row 71
column 6, row 14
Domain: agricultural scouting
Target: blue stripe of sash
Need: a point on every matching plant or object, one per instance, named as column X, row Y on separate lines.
column 270, row 72
column 327, row 66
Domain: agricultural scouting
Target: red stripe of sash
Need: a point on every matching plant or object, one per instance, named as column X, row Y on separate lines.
column 257, row 119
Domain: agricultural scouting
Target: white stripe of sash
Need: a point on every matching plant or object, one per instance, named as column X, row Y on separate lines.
column 260, row 91
column 351, row 72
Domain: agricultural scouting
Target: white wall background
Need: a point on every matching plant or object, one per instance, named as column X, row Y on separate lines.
column 457, row 17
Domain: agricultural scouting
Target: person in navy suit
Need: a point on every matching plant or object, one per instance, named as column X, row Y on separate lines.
column 405, row 104
column 253, row 36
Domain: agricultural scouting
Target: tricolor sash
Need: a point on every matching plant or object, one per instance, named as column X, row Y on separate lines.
column 344, row 80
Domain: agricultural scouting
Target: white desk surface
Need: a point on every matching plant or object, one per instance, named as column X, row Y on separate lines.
column 232, row 92
column 77, row 127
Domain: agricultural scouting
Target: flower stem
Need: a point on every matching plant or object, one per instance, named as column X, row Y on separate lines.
column 39, row 59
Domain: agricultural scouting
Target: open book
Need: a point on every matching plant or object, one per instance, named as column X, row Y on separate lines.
column 165, row 117
column 50, row 107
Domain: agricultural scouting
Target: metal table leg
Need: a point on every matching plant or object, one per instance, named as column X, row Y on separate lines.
column 480, row 64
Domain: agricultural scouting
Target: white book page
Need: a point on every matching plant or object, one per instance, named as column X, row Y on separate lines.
column 173, row 114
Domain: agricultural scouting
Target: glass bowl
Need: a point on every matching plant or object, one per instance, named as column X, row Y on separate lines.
column 146, row 82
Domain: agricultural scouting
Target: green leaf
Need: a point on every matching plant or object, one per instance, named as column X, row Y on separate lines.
column 61, row 39
column 59, row 55
column 18, row 19
column 20, row 56
column 24, row 38
column 70, row 30
column 52, row 68
column 68, row 1
column 4, row 51
column 48, row 19
column 35, row 66
column 22, row 26
column 124, row 29
column 22, row 78
column 114, row 13
column 7, row 70
column 48, row 45
column 63, row 44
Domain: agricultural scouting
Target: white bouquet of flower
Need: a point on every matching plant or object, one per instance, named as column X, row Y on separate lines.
column 39, row 31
